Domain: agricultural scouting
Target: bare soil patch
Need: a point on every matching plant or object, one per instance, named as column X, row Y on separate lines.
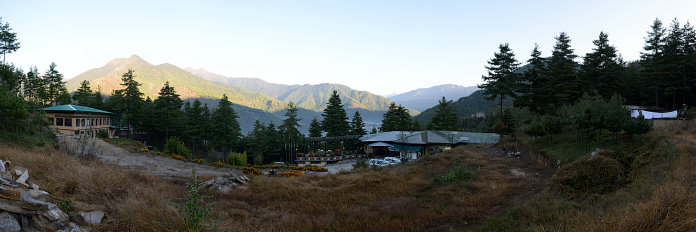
column 152, row 164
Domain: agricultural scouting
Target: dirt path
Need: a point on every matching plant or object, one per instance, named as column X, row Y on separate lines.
column 526, row 174
column 152, row 164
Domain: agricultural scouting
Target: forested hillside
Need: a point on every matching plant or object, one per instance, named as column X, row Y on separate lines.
column 107, row 78
column 424, row 98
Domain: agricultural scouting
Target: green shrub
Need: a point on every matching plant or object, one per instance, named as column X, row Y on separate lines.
column 66, row 205
column 176, row 146
column 361, row 163
column 589, row 174
column 237, row 159
column 192, row 207
column 258, row 159
column 456, row 174
column 103, row 134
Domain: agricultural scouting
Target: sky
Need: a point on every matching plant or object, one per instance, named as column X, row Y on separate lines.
column 379, row 46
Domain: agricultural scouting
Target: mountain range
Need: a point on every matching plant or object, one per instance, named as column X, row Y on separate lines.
column 424, row 98
column 253, row 98
column 466, row 107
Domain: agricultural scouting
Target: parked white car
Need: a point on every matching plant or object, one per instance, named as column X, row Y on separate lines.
column 392, row 160
column 377, row 163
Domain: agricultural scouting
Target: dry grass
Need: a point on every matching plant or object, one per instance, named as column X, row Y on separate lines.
column 402, row 198
column 661, row 197
column 396, row 198
column 131, row 201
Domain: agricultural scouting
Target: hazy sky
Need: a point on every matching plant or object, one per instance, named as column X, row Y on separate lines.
column 379, row 46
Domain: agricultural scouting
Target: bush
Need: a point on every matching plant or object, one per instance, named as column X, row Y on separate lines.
column 66, row 205
column 361, row 163
column 258, row 159
column 192, row 207
column 455, row 174
column 589, row 174
column 176, row 146
column 237, row 159
column 103, row 134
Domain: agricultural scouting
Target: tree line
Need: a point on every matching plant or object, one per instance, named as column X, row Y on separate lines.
column 665, row 75
column 558, row 92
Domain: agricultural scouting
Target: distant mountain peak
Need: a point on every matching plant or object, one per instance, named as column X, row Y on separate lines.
column 424, row 98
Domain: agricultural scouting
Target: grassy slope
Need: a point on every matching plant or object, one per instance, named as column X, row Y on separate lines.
column 659, row 197
column 399, row 198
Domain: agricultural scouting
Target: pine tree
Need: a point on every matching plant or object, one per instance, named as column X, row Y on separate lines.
column 396, row 118
column 33, row 86
column 501, row 75
column 274, row 144
column 196, row 125
column 357, row 126
column 335, row 121
column 374, row 130
column 532, row 89
column 8, row 40
column 132, row 100
column 54, row 84
column 97, row 100
column 416, row 126
column 226, row 127
column 652, row 60
column 290, row 124
column 83, row 94
column 677, row 78
column 167, row 110
column 601, row 69
column 257, row 139
column 562, row 72
column 314, row 128
column 445, row 117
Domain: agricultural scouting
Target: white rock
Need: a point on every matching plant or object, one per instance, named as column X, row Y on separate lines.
column 93, row 218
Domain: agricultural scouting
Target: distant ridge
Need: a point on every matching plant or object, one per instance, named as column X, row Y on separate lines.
column 424, row 98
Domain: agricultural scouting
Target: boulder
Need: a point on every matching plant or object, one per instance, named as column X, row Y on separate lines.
column 9, row 223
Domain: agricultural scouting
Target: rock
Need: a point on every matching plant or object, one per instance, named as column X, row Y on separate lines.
column 8, row 222
column 22, row 176
column 93, row 217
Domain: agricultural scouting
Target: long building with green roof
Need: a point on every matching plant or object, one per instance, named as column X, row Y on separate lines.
column 75, row 120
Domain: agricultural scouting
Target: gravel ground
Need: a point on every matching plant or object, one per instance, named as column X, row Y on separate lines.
column 149, row 163
column 341, row 166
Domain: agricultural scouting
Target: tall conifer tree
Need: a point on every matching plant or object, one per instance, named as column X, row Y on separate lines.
column 501, row 75
column 335, row 121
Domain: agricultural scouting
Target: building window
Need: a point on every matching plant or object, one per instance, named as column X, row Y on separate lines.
column 68, row 122
column 83, row 122
column 59, row 121
column 53, row 123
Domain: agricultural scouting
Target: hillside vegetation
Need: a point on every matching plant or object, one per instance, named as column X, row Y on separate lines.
column 153, row 77
column 465, row 107
column 423, row 98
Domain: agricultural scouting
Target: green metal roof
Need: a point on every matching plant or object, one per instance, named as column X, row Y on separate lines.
column 75, row 108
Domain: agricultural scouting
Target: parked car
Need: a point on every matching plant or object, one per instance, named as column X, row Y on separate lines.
column 377, row 163
column 392, row 160
column 279, row 163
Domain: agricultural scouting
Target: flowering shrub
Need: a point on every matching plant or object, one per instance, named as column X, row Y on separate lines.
column 144, row 150
column 292, row 173
column 308, row 168
column 199, row 161
column 251, row 170
column 179, row 157
column 219, row 164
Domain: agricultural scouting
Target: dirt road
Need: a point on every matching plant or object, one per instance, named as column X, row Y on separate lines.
column 152, row 164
